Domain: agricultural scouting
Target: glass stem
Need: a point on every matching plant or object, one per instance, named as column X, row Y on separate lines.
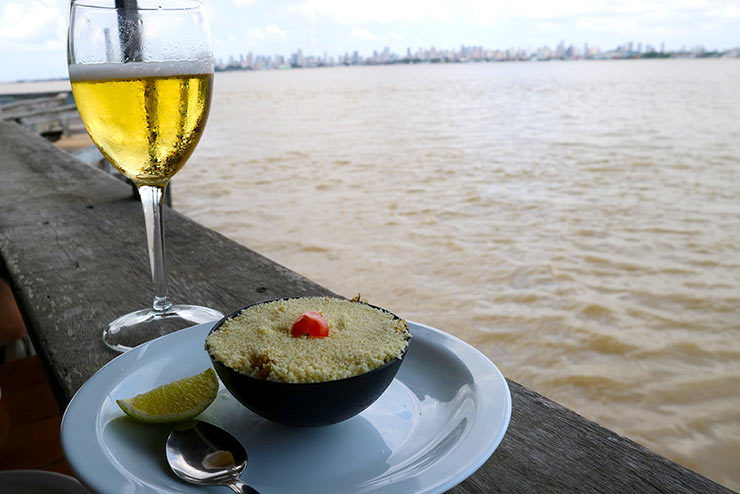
column 151, row 202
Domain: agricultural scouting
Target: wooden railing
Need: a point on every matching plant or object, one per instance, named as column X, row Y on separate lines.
column 48, row 115
column 72, row 240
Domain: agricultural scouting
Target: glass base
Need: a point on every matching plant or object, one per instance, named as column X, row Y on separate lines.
column 143, row 325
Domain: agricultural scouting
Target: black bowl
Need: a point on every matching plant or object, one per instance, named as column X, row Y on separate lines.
column 307, row 404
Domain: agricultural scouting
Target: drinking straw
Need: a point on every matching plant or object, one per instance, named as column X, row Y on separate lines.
column 128, row 30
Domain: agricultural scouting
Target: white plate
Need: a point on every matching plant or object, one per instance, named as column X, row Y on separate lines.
column 440, row 419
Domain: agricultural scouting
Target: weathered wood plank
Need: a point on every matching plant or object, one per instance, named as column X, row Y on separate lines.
column 70, row 110
column 36, row 103
column 549, row 448
column 73, row 242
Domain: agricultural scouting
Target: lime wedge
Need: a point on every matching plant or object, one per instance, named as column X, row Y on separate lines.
column 174, row 402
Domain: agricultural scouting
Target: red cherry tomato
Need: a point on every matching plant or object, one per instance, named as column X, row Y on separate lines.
column 311, row 323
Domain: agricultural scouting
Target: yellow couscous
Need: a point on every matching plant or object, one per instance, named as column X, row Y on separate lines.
column 258, row 341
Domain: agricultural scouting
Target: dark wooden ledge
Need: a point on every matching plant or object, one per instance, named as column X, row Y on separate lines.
column 72, row 240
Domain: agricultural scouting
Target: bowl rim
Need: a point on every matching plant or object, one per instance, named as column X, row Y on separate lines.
column 287, row 384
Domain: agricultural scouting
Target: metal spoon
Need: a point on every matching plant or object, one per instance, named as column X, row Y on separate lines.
column 202, row 453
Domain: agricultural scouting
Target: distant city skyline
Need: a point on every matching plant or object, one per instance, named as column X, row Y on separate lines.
column 33, row 32
column 462, row 54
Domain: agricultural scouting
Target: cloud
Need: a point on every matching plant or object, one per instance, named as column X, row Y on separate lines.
column 623, row 12
column 490, row 12
column 380, row 11
column 271, row 31
column 604, row 23
column 358, row 32
column 729, row 12
column 32, row 22
column 239, row 3
column 480, row 12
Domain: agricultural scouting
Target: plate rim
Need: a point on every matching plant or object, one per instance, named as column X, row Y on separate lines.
column 103, row 373
column 501, row 432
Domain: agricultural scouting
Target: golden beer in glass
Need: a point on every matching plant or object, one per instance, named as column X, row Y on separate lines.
column 142, row 77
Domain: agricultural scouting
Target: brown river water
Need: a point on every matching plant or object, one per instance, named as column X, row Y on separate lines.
column 577, row 222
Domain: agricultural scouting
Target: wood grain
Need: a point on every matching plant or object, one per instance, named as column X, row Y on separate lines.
column 73, row 243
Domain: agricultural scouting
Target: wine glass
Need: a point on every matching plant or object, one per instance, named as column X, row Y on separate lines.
column 142, row 76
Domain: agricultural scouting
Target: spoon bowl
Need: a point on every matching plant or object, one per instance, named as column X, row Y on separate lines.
column 202, row 453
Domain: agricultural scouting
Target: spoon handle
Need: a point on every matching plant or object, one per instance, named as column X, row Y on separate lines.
column 241, row 488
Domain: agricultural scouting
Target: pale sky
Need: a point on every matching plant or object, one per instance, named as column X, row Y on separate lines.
column 33, row 32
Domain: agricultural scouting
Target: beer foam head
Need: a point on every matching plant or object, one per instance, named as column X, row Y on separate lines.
column 137, row 70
